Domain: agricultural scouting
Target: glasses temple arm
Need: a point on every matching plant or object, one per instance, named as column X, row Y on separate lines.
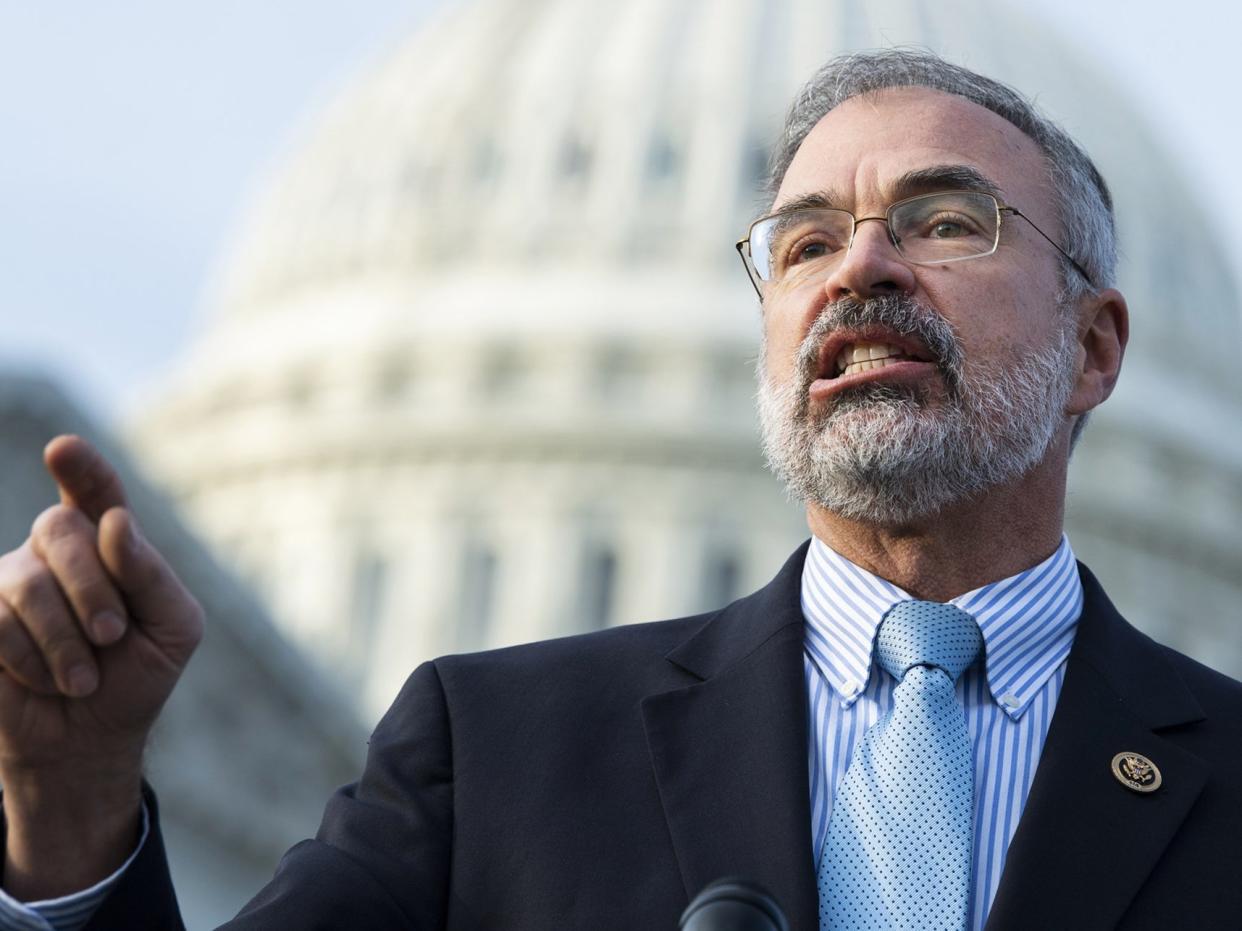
column 1069, row 258
column 741, row 246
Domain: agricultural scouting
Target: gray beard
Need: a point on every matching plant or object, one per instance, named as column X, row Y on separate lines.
column 881, row 453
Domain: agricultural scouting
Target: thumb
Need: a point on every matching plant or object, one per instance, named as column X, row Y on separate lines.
column 160, row 606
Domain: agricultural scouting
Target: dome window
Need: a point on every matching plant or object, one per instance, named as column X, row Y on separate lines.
column 663, row 160
column 369, row 590
column 477, row 593
column 575, row 159
column 721, row 577
column 393, row 379
column 504, row 372
column 754, row 168
column 597, row 585
column 487, row 162
column 300, row 390
column 619, row 373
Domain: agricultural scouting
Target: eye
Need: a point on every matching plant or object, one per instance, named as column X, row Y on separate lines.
column 811, row 247
column 802, row 239
column 808, row 251
column 943, row 225
column 949, row 227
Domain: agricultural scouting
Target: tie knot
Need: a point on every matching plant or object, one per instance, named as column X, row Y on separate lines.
column 927, row 633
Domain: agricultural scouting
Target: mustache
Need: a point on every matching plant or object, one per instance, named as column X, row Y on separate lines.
column 897, row 312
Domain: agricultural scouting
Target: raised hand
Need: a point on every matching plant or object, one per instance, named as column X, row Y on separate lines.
column 95, row 630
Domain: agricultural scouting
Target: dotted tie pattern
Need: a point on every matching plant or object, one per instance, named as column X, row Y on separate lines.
column 898, row 850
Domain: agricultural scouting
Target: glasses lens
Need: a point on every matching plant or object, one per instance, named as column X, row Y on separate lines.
column 794, row 245
column 944, row 227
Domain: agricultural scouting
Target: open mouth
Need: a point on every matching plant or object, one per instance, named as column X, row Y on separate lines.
column 848, row 354
column 864, row 356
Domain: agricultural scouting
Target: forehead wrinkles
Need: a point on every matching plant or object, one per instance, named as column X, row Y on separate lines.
column 880, row 135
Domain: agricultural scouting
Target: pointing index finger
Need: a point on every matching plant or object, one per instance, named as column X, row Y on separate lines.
column 85, row 478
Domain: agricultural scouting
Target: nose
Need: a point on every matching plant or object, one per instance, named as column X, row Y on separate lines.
column 872, row 265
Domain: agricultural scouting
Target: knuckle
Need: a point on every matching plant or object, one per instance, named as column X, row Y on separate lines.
column 28, row 586
column 60, row 528
column 12, row 561
column 55, row 522
column 67, row 560
column 19, row 656
column 62, row 646
column 71, row 561
column 96, row 593
column 78, row 569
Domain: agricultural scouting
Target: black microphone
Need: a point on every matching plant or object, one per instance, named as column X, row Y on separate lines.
column 733, row 904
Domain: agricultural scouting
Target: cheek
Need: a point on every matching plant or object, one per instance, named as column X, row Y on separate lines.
column 782, row 339
column 787, row 320
column 997, row 323
column 997, row 353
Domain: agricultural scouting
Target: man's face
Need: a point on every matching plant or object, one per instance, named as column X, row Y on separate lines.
column 985, row 355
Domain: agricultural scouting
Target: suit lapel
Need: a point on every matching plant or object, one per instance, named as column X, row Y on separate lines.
column 1086, row 843
column 730, row 754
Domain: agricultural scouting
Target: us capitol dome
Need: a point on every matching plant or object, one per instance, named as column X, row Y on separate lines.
column 479, row 368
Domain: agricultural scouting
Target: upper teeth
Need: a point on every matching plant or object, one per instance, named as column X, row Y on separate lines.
column 859, row 357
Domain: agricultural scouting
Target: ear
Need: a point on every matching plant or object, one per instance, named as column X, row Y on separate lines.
column 1103, row 330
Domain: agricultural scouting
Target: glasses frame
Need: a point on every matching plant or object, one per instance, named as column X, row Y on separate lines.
column 743, row 245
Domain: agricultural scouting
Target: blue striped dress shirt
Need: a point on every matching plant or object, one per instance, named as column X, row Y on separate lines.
column 1028, row 623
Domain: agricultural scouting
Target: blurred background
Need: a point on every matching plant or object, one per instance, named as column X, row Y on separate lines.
column 416, row 327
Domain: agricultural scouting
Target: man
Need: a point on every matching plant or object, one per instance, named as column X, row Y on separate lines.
column 931, row 718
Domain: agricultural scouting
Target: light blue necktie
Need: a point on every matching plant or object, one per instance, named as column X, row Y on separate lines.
column 897, row 854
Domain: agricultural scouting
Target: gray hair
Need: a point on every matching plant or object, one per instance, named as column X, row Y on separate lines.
column 1084, row 204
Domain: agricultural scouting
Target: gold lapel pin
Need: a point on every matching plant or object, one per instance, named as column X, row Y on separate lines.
column 1136, row 772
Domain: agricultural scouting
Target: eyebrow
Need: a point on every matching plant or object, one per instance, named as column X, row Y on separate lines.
column 912, row 183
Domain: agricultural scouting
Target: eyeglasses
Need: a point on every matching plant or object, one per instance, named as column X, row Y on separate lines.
column 801, row 246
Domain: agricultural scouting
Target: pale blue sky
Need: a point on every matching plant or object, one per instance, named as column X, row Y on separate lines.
column 132, row 131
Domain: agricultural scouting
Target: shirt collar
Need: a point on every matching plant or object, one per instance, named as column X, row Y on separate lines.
column 1027, row 622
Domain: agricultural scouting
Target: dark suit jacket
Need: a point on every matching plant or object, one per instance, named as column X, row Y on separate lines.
column 599, row 782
